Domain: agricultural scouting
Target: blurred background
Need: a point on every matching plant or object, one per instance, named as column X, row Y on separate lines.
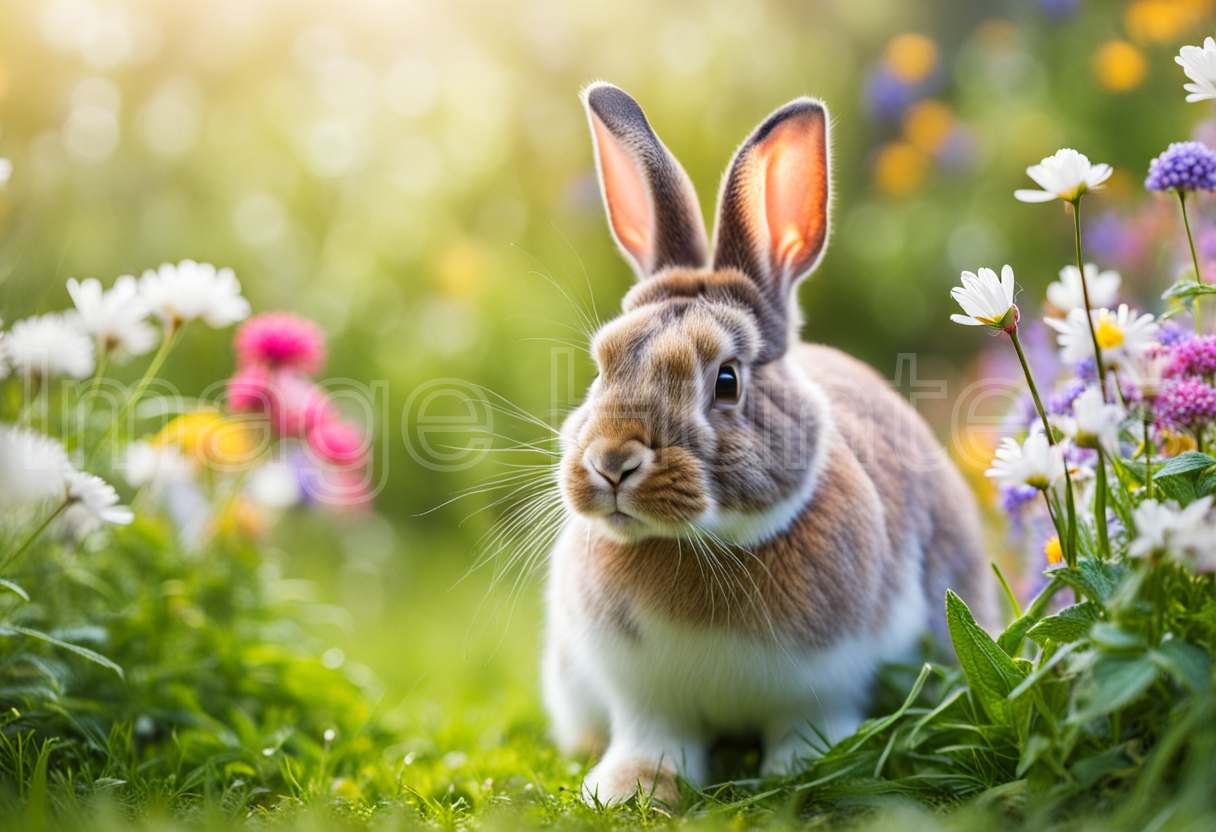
column 417, row 177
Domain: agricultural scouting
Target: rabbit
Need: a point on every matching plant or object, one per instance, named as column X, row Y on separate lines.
column 753, row 524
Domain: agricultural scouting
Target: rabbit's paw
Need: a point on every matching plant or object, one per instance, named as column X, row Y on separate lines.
column 618, row 781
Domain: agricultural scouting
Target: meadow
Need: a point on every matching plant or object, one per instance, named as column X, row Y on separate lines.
column 261, row 562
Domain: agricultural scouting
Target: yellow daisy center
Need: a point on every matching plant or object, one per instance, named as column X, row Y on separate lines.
column 1053, row 550
column 1108, row 332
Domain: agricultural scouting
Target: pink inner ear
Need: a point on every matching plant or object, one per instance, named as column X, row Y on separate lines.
column 625, row 193
column 795, row 192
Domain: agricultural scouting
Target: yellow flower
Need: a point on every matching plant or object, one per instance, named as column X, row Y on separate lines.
column 900, row 169
column 1119, row 66
column 911, row 56
column 1162, row 21
column 1053, row 550
column 1109, row 333
column 927, row 124
column 212, row 439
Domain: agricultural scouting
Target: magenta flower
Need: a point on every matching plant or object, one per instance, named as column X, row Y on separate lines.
column 281, row 341
column 296, row 404
column 249, row 390
column 1194, row 357
column 338, row 443
column 1186, row 402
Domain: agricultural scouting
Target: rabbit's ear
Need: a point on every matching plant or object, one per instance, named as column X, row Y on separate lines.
column 773, row 205
column 652, row 207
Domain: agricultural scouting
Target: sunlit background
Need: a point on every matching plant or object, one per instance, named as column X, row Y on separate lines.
column 417, row 177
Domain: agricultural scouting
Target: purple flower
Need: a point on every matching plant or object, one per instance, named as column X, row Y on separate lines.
column 1060, row 402
column 1170, row 334
column 1194, row 357
column 1184, row 166
column 1186, row 402
column 1013, row 499
column 887, row 95
column 1059, row 9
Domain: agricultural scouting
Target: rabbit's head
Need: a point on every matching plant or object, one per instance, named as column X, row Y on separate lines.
column 696, row 420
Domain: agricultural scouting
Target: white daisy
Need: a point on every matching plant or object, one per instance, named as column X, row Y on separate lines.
column 1123, row 335
column 1067, row 294
column 118, row 319
column 1067, row 175
column 49, row 345
column 1146, row 371
column 1199, row 63
column 146, row 464
column 33, row 467
column 987, row 300
column 179, row 294
column 1162, row 526
column 6, row 171
column 1094, row 423
column 92, row 502
column 1034, row 462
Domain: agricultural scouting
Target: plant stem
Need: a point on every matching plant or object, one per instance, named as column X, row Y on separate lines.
column 1148, row 460
column 1034, row 392
column 1068, row 541
column 37, row 533
column 1194, row 259
column 1100, row 506
column 1089, row 315
column 141, row 387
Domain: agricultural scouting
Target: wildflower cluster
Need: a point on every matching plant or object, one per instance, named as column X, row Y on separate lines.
column 212, row 472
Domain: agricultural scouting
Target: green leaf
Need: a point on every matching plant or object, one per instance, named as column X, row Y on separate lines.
column 1190, row 665
column 1011, row 640
column 1069, row 624
column 989, row 670
column 1186, row 289
column 83, row 652
column 1185, row 463
column 1095, row 579
column 1116, row 680
column 14, row 588
column 1113, row 637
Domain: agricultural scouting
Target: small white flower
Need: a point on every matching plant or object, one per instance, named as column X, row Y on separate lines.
column 179, row 294
column 1123, row 335
column 118, row 319
column 33, row 467
column 92, row 502
column 1162, row 526
column 274, row 486
column 1034, row 462
column 1094, row 423
column 987, row 300
column 1067, row 175
column 1146, row 371
column 49, row 345
column 6, row 171
column 1067, row 294
column 1200, row 66
column 147, row 464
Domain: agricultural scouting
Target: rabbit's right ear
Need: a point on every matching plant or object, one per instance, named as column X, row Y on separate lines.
column 652, row 207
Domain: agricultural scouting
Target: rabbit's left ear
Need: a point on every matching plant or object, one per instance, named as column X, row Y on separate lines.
column 773, row 206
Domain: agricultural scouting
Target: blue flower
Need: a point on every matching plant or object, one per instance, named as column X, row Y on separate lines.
column 1184, row 166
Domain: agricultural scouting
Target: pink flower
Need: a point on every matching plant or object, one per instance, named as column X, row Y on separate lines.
column 1193, row 357
column 1187, row 402
column 296, row 404
column 249, row 390
column 338, row 443
column 281, row 341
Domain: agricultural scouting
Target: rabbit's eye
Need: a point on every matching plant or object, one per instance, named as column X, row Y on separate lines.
column 726, row 387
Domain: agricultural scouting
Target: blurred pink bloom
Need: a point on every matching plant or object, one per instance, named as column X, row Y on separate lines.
column 280, row 340
column 296, row 404
column 338, row 443
column 249, row 390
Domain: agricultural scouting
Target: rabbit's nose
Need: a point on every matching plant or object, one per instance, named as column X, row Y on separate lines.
column 616, row 462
